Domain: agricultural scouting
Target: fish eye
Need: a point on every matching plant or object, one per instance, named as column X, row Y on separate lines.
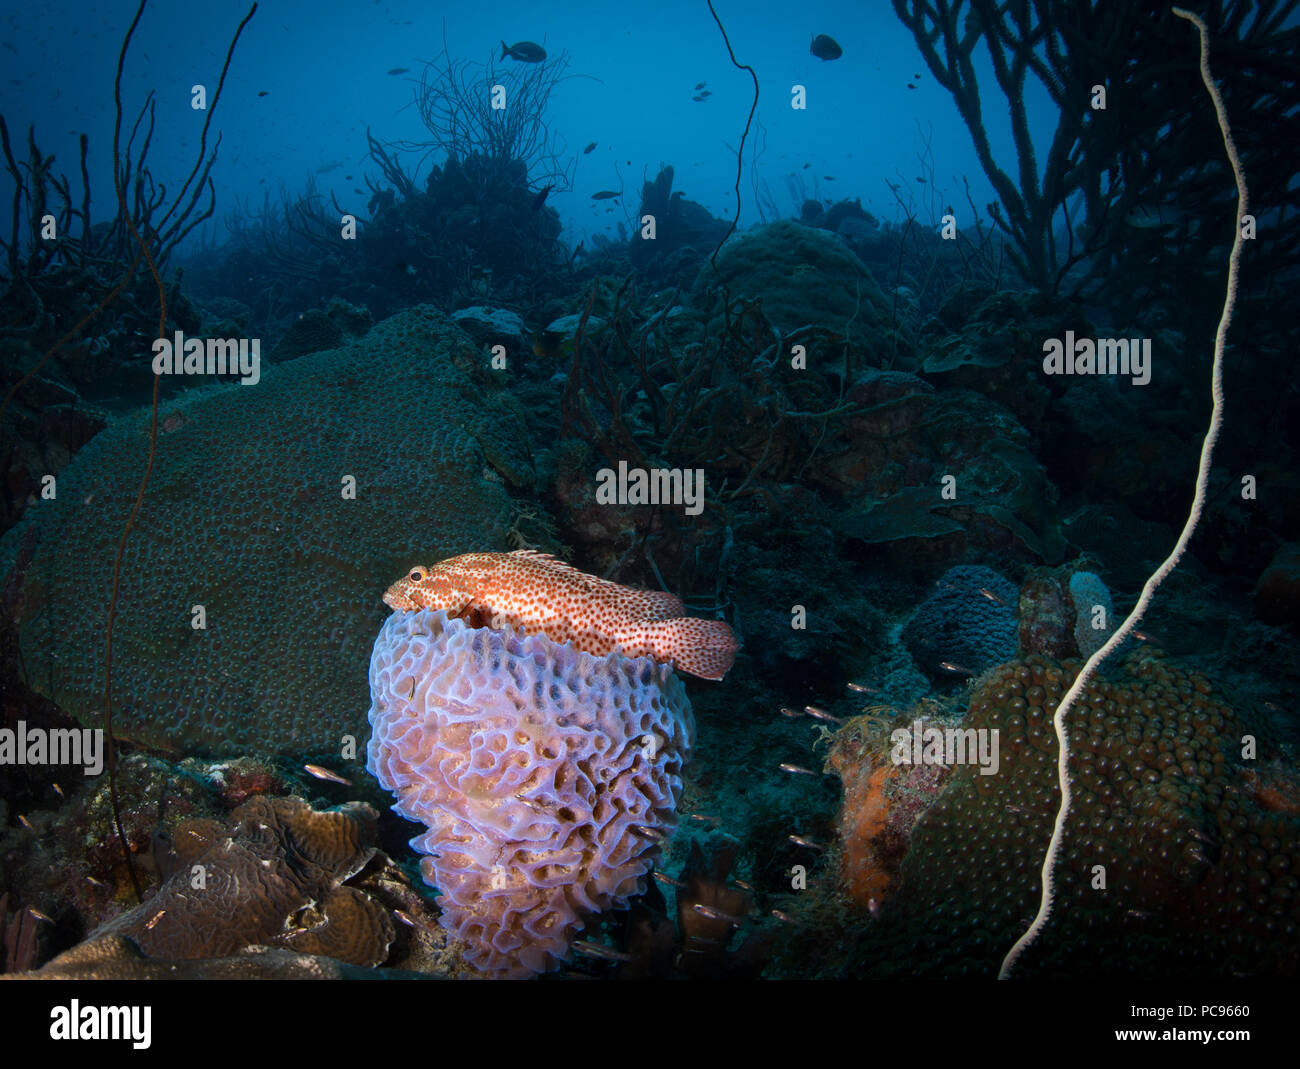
column 416, row 575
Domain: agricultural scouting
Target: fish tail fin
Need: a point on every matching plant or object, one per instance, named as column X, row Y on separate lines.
column 505, row 50
column 704, row 648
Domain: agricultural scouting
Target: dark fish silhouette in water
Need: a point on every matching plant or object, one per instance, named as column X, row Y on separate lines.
column 604, row 194
column 1154, row 217
column 523, row 52
column 825, row 47
column 399, row 70
column 700, row 86
column 589, row 148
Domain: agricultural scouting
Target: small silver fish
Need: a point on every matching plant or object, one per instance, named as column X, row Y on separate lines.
column 950, row 666
column 821, row 714
column 785, row 766
column 862, row 688
column 326, row 774
column 803, row 840
column 595, row 950
column 668, row 880
column 714, row 914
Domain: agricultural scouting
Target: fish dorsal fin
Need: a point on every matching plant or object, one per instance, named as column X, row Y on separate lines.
column 537, row 554
column 650, row 604
column 554, row 563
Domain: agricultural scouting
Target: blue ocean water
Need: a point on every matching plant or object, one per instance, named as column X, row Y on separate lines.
column 323, row 68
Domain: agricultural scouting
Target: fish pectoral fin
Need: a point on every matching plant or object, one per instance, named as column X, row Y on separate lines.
column 455, row 605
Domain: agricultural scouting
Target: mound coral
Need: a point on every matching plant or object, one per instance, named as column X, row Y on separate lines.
column 275, row 890
column 276, row 877
column 961, row 624
column 250, row 513
column 802, row 274
column 546, row 777
column 1177, row 856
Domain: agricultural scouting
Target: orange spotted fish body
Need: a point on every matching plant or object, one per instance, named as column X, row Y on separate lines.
column 535, row 593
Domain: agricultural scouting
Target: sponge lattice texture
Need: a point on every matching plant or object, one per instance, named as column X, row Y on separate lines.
column 546, row 777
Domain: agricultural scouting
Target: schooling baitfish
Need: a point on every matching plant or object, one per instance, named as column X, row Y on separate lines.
column 535, row 593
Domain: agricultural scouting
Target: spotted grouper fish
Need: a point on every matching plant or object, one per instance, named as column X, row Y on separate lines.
column 535, row 593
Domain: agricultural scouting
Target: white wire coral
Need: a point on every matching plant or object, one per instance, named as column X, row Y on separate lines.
column 1193, row 518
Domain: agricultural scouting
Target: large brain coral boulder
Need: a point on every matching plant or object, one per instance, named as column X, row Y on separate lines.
column 275, row 515
column 546, row 777
column 802, row 274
